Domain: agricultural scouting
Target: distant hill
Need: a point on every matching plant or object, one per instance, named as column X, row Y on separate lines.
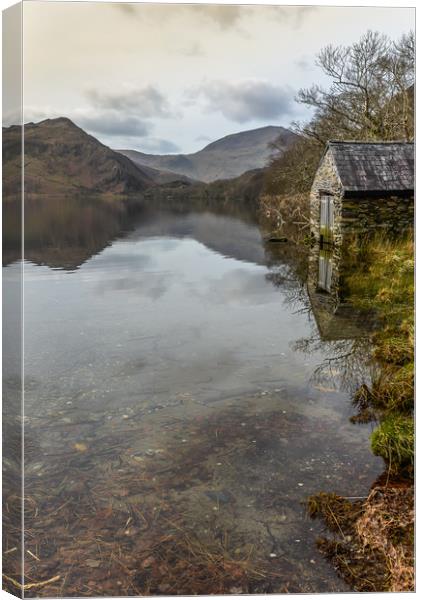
column 226, row 158
column 60, row 157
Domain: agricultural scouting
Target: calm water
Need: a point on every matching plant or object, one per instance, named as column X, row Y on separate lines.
column 168, row 402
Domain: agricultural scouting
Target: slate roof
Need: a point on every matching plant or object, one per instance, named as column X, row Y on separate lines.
column 374, row 167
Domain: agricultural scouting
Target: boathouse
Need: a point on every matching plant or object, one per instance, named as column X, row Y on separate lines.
column 361, row 187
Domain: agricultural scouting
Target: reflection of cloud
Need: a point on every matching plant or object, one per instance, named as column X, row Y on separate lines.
column 150, row 285
column 114, row 260
column 246, row 100
column 147, row 102
column 239, row 285
column 114, row 124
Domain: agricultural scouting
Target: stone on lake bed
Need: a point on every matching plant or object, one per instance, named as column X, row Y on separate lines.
column 138, row 458
column 222, row 496
column 93, row 564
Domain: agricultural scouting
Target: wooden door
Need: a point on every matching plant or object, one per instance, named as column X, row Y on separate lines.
column 326, row 218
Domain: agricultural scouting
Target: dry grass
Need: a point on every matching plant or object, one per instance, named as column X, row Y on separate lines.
column 372, row 540
column 387, row 526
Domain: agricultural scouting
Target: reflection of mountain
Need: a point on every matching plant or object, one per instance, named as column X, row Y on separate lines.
column 229, row 236
column 223, row 159
column 65, row 232
column 62, row 232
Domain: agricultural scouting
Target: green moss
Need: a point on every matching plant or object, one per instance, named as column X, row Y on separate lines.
column 393, row 440
column 384, row 282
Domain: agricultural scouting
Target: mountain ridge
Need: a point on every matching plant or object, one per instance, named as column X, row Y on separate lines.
column 62, row 157
column 225, row 158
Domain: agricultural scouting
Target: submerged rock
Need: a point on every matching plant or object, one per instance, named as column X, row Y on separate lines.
column 222, row 496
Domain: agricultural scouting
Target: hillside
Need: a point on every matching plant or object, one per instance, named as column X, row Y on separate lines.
column 226, row 158
column 60, row 157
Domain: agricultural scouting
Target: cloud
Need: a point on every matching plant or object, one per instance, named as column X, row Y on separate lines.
column 127, row 9
column 147, row 101
column 224, row 16
column 304, row 64
column 194, row 49
column 295, row 15
column 114, row 124
column 158, row 146
column 245, row 100
column 203, row 138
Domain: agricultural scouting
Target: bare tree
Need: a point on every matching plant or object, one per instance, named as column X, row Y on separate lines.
column 370, row 94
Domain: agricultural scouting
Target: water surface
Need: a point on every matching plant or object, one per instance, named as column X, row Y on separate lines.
column 168, row 405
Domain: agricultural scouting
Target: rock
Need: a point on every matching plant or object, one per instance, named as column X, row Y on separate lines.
column 148, row 562
column 137, row 458
column 275, row 239
column 80, row 447
column 221, row 496
column 93, row 564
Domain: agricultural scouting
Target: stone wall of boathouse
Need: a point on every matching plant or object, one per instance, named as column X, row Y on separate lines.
column 326, row 181
column 359, row 214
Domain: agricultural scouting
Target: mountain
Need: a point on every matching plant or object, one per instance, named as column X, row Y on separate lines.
column 164, row 177
column 226, row 158
column 60, row 157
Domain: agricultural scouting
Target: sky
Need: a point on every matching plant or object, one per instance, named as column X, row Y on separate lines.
column 171, row 78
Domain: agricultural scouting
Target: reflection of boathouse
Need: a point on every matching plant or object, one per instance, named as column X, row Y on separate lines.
column 336, row 317
column 362, row 187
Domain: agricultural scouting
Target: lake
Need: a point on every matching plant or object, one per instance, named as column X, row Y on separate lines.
column 183, row 397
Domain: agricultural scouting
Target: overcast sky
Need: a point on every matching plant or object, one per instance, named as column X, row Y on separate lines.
column 171, row 78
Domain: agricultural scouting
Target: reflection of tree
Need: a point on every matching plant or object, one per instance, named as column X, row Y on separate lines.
column 288, row 268
column 345, row 360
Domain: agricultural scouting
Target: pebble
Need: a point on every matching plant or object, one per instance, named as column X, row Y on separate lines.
column 221, row 496
column 148, row 562
column 137, row 458
column 273, row 555
column 92, row 563
column 301, row 484
column 125, row 417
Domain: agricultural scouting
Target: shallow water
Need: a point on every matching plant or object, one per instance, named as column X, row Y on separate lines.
column 166, row 397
